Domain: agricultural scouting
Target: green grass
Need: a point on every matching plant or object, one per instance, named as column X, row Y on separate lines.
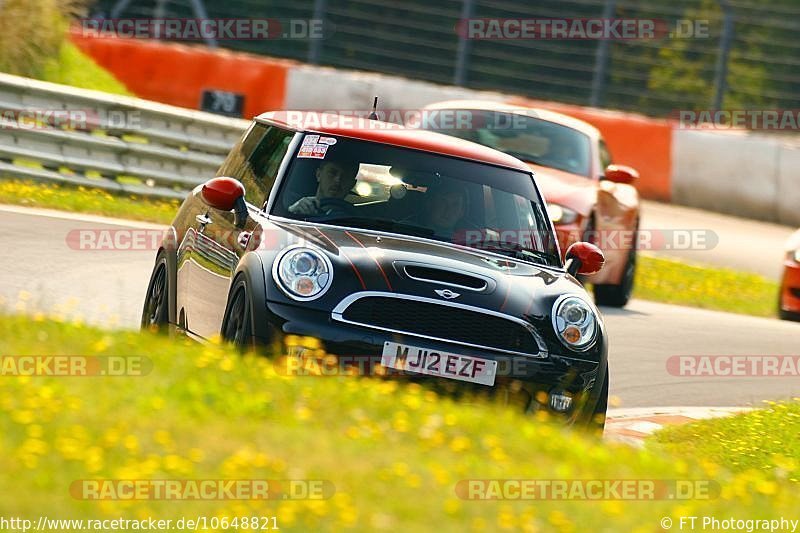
column 765, row 440
column 34, row 43
column 393, row 450
column 675, row 282
column 73, row 67
column 83, row 200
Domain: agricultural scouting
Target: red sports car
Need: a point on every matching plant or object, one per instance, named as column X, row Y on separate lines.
column 588, row 197
column 790, row 287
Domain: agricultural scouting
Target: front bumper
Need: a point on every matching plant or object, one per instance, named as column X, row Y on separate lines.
column 525, row 382
column 790, row 288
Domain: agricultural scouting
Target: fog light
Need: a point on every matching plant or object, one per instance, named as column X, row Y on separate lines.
column 560, row 401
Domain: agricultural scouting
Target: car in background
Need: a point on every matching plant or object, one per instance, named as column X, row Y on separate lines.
column 380, row 242
column 789, row 306
column 589, row 197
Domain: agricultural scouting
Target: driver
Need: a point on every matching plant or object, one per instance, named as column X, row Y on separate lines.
column 564, row 154
column 335, row 180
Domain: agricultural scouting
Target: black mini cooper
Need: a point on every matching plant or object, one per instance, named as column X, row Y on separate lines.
column 433, row 255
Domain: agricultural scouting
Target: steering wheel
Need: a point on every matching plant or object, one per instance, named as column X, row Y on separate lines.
column 334, row 206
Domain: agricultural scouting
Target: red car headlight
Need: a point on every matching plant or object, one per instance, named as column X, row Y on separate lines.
column 560, row 214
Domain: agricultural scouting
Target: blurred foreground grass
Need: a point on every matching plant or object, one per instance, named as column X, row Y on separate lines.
column 394, row 451
column 767, row 440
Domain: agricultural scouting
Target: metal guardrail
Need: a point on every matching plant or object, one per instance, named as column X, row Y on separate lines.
column 116, row 143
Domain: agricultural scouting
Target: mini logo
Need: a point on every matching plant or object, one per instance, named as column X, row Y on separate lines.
column 447, row 293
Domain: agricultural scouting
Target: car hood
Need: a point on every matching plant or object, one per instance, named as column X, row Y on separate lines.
column 577, row 192
column 378, row 262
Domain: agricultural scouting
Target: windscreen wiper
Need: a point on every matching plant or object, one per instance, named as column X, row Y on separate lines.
column 379, row 224
column 515, row 250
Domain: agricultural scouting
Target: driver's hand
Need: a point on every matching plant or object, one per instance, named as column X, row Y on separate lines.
column 308, row 205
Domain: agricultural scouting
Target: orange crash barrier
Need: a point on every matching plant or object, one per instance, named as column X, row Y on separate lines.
column 178, row 74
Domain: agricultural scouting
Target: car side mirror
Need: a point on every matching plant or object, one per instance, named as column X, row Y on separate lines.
column 584, row 258
column 621, row 174
column 226, row 194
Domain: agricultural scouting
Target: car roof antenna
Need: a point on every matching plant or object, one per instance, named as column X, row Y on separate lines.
column 374, row 114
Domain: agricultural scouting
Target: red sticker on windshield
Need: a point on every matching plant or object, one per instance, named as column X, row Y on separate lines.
column 314, row 151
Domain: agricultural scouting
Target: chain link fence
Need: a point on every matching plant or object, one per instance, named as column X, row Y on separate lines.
column 731, row 54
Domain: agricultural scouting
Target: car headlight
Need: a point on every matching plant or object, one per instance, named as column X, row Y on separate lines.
column 575, row 323
column 303, row 273
column 560, row 214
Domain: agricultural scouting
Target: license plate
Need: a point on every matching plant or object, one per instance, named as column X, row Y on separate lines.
column 436, row 363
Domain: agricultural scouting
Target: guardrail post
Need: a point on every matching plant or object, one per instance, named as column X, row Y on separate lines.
column 118, row 8
column 201, row 13
column 315, row 45
column 601, row 60
column 464, row 45
column 721, row 69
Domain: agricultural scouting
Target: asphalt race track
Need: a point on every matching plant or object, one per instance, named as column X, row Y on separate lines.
column 107, row 288
column 743, row 244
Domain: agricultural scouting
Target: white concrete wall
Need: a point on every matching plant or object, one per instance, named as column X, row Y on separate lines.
column 789, row 185
column 322, row 88
column 747, row 174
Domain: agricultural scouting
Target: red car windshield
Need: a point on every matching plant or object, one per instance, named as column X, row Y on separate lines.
column 525, row 137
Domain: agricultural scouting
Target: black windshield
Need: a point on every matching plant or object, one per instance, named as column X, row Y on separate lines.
column 366, row 185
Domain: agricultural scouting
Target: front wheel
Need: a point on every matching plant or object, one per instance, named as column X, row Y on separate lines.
column 598, row 421
column 155, row 314
column 237, row 324
column 788, row 315
column 618, row 295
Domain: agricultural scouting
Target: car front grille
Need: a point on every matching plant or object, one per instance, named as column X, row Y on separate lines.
column 443, row 322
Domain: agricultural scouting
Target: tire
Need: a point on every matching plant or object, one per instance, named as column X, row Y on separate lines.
column 619, row 295
column 237, row 324
column 788, row 315
column 155, row 313
column 598, row 421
